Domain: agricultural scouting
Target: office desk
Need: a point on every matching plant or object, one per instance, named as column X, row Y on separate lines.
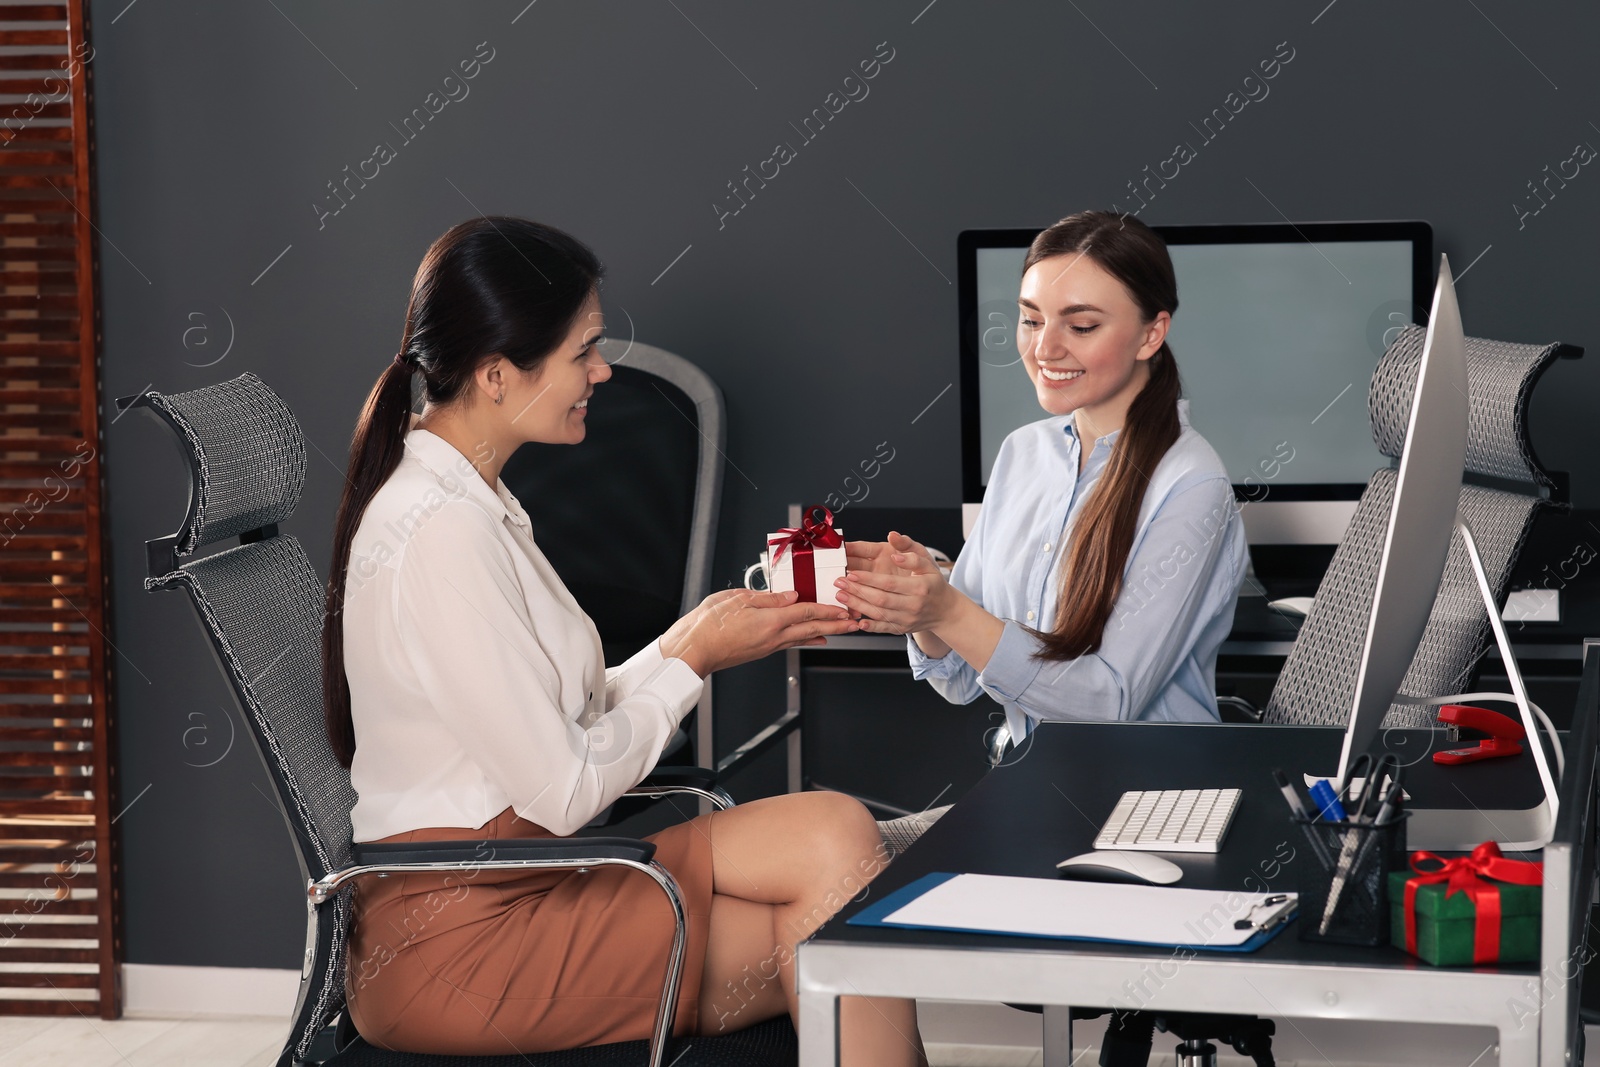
column 1049, row 802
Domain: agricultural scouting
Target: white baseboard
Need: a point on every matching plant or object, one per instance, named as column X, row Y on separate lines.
column 166, row 992
column 959, row 1055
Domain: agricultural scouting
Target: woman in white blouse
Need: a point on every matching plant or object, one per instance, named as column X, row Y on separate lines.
column 466, row 692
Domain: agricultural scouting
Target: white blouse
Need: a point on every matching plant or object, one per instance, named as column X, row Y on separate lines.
column 477, row 683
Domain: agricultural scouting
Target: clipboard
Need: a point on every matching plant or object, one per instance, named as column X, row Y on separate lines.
column 1055, row 909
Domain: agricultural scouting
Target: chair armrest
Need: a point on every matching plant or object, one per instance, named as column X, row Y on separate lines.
column 693, row 781
column 1237, row 710
column 563, row 853
column 699, row 777
column 515, row 849
column 996, row 743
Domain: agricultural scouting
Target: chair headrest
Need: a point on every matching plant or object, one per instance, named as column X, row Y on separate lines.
column 1500, row 380
column 247, row 457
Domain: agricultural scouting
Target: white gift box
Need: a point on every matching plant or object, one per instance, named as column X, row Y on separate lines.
column 828, row 564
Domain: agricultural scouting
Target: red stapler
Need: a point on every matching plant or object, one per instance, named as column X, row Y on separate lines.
column 1505, row 734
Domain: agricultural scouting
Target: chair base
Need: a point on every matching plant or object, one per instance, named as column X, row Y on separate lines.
column 1130, row 1035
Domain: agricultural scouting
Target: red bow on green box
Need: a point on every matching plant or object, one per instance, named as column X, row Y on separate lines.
column 1468, row 874
column 815, row 531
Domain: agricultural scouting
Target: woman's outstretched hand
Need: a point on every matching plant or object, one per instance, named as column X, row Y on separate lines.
column 735, row 626
column 895, row 585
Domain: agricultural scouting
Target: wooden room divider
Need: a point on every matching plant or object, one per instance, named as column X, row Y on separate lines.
column 59, row 931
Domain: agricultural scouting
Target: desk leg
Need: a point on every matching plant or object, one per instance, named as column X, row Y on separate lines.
column 819, row 1030
column 705, row 737
column 797, row 778
column 1057, row 1036
column 1519, row 1047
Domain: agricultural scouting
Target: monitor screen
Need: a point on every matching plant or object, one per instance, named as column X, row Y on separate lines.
column 1276, row 335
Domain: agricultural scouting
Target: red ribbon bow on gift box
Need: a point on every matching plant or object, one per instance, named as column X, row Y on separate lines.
column 1466, row 874
column 815, row 531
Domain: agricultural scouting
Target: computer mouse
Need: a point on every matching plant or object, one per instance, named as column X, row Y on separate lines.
column 1108, row 866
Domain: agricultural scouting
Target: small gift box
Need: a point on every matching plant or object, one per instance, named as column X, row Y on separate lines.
column 808, row 558
column 1482, row 908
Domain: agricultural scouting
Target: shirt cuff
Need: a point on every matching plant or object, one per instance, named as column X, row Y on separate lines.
column 1012, row 666
column 626, row 676
column 676, row 683
column 926, row 666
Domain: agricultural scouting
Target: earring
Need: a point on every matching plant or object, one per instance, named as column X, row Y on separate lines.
column 499, row 398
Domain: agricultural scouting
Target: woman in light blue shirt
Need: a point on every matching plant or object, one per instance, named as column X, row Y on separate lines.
column 1099, row 580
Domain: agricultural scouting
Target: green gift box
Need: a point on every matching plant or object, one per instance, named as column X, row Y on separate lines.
column 1465, row 911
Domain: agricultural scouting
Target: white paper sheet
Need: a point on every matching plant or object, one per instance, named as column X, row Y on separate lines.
column 1044, row 907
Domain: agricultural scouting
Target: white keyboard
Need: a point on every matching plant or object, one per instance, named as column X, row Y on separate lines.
column 1169, row 820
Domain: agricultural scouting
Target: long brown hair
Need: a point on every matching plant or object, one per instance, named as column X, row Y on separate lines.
column 1090, row 578
column 490, row 286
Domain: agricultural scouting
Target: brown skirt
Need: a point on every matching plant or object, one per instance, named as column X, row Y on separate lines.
column 498, row 962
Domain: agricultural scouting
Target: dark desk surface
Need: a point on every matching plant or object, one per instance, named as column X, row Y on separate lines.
column 1050, row 801
column 1254, row 621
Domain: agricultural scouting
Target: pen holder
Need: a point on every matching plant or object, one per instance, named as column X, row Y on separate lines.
column 1361, row 916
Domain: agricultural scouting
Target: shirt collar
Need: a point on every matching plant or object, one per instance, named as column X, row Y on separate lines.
column 1070, row 426
column 458, row 476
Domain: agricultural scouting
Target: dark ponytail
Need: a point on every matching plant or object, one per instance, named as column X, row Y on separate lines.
column 1090, row 579
column 490, row 286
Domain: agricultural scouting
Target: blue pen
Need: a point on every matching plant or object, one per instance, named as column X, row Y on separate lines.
column 1327, row 802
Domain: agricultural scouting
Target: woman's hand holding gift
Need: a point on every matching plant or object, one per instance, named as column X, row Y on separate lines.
column 734, row 626
column 895, row 586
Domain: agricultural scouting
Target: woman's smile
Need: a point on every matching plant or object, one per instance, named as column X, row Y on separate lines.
column 1075, row 317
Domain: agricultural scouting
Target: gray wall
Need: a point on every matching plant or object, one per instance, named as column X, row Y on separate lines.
column 825, row 308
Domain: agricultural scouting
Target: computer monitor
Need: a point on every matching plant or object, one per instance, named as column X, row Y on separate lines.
column 1278, row 329
column 1422, row 519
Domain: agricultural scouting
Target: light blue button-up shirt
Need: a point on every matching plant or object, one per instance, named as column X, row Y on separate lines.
column 1157, row 660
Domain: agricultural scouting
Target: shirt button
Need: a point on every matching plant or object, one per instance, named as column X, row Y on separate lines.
column 1030, row 616
column 1047, row 546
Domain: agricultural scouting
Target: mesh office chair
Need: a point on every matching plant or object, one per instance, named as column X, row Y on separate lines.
column 1317, row 684
column 620, row 513
column 261, row 605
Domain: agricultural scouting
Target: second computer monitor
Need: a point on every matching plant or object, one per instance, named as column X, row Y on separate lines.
column 1277, row 332
column 1421, row 522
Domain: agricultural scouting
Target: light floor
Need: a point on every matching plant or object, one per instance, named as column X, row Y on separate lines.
column 200, row 1041
column 212, row 1041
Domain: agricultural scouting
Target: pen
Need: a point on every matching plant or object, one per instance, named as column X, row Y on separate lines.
column 1386, row 810
column 1327, row 801
column 1386, row 813
column 1347, row 855
column 1288, row 792
column 1299, row 811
